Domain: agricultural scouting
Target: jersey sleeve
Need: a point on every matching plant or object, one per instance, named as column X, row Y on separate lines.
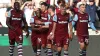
column 70, row 18
column 48, row 17
column 8, row 9
column 55, row 18
column 24, row 16
column 9, row 14
column 32, row 21
column 75, row 19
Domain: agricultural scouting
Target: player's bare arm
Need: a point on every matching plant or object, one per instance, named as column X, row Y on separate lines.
column 53, row 31
column 8, row 23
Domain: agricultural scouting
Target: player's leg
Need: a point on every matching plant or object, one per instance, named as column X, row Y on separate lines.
column 81, row 50
column 12, row 43
column 82, row 46
column 49, row 48
column 38, row 46
column 59, row 51
column 86, row 45
column 65, row 50
column 11, row 47
column 59, row 46
column 34, row 43
column 44, row 42
column 54, row 46
column 66, row 45
column 19, row 41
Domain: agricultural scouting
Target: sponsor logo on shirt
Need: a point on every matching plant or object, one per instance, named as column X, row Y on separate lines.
column 16, row 18
column 44, row 18
column 62, row 22
column 83, row 20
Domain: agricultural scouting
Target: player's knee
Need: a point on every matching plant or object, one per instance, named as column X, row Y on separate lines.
column 12, row 42
column 65, row 47
column 19, row 42
column 35, row 49
column 59, row 49
column 49, row 46
column 82, row 45
column 43, row 46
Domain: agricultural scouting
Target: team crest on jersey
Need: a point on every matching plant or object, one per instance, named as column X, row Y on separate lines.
column 86, row 16
column 80, row 17
column 13, row 15
column 66, row 17
column 59, row 18
column 20, row 14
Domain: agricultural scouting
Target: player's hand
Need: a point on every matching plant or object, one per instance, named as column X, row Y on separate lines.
column 50, row 36
column 68, row 11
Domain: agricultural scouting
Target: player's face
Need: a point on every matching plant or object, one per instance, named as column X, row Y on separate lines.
column 43, row 8
column 82, row 8
column 63, row 9
column 49, row 10
column 17, row 6
column 38, row 12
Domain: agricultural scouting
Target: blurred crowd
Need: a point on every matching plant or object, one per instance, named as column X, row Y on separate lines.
column 28, row 6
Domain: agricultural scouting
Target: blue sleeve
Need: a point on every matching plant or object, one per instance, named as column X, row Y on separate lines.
column 48, row 17
column 75, row 19
column 9, row 14
column 55, row 18
column 47, row 23
column 24, row 16
column 70, row 18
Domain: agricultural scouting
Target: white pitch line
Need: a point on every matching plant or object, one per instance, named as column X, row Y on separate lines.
column 5, row 34
column 91, row 32
column 0, row 34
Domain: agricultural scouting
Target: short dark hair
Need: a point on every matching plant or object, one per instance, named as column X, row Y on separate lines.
column 60, row 1
column 17, row 3
column 44, row 3
column 62, row 5
column 52, row 7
